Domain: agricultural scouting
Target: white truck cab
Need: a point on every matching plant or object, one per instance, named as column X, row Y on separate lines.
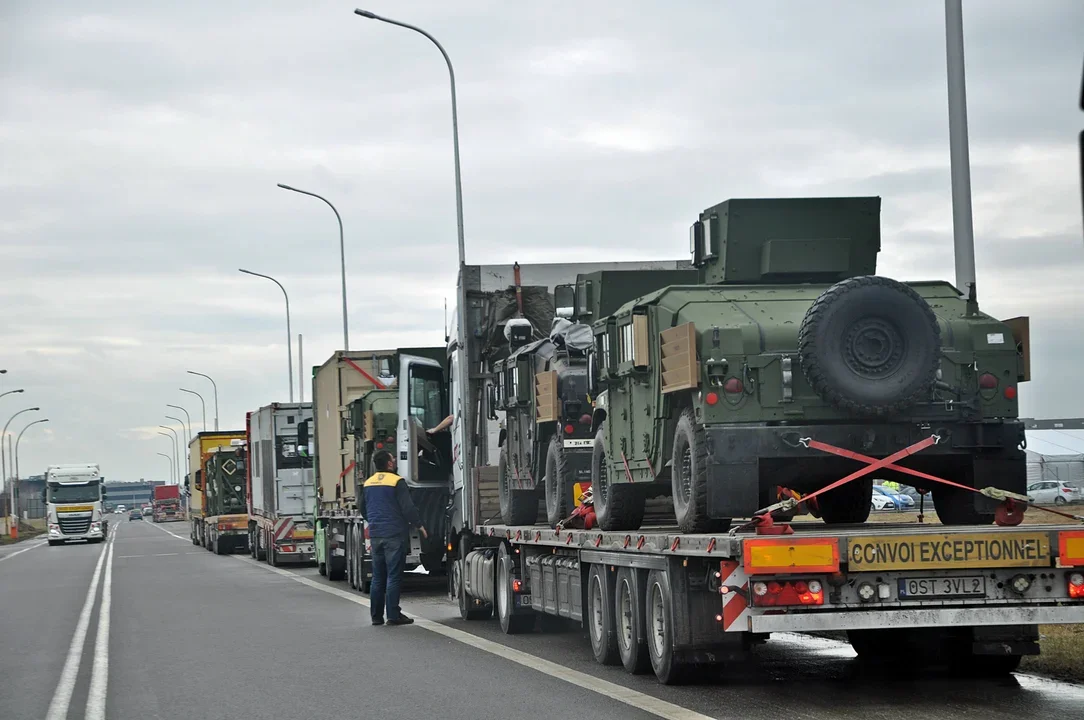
column 73, row 498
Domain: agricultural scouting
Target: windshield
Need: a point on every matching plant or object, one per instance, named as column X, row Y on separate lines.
column 426, row 399
column 73, row 493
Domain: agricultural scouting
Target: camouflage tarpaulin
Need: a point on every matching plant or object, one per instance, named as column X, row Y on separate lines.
column 537, row 309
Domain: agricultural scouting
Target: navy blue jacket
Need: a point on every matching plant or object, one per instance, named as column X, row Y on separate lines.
column 387, row 507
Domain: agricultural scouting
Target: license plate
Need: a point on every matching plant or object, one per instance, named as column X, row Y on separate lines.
column 942, row 587
column 524, row 600
column 578, row 443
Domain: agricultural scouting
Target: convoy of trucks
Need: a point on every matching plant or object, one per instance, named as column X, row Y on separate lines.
column 773, row 376
column 73, row 498
column 166, row 504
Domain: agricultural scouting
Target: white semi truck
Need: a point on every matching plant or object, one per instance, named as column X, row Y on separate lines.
column 73, row 497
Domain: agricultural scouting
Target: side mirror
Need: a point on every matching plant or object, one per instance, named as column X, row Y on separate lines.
column 564, row 301
column 491, row 402
column 592, row 374
column 43, row 494
column 105, row 490
column 303, row 438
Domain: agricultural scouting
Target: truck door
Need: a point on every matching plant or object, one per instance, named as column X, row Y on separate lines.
column 422, row 405
column 296, row 493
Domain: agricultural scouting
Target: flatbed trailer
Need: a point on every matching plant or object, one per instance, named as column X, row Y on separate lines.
column 224, row 534
column 969, row 596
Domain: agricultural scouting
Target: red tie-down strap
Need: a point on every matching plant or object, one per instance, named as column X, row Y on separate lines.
column 1009, row 513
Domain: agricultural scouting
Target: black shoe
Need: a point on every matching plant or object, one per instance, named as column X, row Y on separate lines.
column 401, row 620
column 378, row 621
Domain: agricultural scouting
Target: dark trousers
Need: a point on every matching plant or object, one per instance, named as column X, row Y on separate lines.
column 389, row 556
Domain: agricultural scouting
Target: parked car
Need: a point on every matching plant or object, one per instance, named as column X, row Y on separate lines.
column 916, row 496
column 880, row 501
column 135, row 514
column 896, row 501
column 1053, row 492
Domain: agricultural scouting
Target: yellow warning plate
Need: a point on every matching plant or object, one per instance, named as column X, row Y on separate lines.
column 74, row 508
column 946, row 552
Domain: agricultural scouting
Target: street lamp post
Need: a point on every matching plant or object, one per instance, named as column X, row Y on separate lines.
column 172, row 445
column 17, row 439
column 289, row 335
column 342, row 254
column 176, row 445
column 213, row 385
column 3, row 456
column 11, row 392
column 465, row 411
column 172, row 477
column 963, row 230
column 202, row 404
column 187, row 416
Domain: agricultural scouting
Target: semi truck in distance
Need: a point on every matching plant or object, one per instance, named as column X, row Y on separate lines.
column 166, row 504
column 280, row 492
column 73, row 498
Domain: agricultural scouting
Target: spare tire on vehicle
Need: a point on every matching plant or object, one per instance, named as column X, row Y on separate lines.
column 870, row 345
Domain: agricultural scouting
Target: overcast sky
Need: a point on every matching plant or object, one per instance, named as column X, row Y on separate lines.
column 140, row 145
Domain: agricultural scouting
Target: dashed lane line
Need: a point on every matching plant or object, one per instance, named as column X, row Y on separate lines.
column 632, row 698
column 99, row 676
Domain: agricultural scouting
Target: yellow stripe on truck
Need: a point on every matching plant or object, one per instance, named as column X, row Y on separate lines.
column 74, row 508
column 303, row 534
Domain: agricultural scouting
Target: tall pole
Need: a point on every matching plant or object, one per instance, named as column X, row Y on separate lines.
column 465, row 413
column 342, row 254
column 963, row 231
column 11, row 392
column 172, row 477
column 289, row 335
column 300, row 371
column 17, row 440
column 3, row 454
column 176, row 446
column 188, row 417
column 213, row 385
column 172, row 444
column 202, row 405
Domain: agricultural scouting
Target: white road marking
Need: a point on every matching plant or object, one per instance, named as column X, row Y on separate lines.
column 99, row 677
column 632, row 698
column 58, row 707
column 168, row 532
column 20, row 552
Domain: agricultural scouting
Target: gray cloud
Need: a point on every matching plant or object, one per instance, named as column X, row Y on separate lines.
column 141, row 144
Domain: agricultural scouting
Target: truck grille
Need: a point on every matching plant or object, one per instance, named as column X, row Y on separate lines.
column 74, row 526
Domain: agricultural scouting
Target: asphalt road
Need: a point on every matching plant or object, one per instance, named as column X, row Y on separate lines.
column 194, row 635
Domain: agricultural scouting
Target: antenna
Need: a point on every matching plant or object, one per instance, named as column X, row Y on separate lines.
column 446, row 333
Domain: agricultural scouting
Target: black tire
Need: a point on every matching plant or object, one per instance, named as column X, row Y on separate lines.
column 272, row 556
column 433, row 563
column 847, row 504
column 351, row 576
column 216, row 547
column 365, row 579
column 957, row 507
column 511, row 623
column 252, row 543
column 620, row 505
column 1060, row 500
column 260, row 551
column 659, row 621
column 468, row 609
column 336, row 566
column 518, row 507
column 598, row 614
column 987, row 666
column 689, row 477
column 629, row 598
column 558, row 488
column 870, row 346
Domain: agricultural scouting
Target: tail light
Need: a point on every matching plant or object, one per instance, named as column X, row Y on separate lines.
column 733, row 386
column 380, row 446
column 788, row 592
column 711, row 398
column 585, row 419
column 1067, row 491
column 1076, row 586
column 517, row 585
column 987, row 381
column 569, row 429
column 1010, row 393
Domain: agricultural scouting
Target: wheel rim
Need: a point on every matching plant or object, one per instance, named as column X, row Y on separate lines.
column 596, row 609
column 686, row 484
column 624, row 615
column 603, row 490
column 873, row 347
column 457, row 579
column 502, row 590
column 552, row 492
column 658, row 621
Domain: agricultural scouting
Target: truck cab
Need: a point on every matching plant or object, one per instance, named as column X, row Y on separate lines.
column 74, row 497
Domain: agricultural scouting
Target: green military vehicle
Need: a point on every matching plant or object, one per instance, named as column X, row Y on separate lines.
column 787, row 358
column 225, row 480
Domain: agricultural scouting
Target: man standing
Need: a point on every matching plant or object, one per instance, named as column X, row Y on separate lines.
column 387, row 507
